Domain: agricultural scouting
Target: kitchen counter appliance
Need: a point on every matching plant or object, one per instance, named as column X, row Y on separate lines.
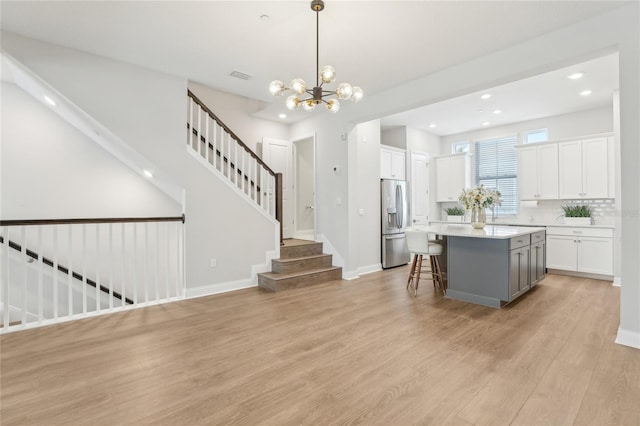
column 395, row 216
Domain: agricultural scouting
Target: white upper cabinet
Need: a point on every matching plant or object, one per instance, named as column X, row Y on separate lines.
column 584, row 168
column 538, row 172
column 392, row 163
column 452, row 176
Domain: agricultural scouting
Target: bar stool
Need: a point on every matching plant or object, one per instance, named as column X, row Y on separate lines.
column 418, row 243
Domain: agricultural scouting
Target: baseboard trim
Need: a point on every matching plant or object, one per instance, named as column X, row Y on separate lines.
column 581, row 274
column 211, row 289
column 617, row 282
column 628, row 338
column 363, row 270
column 350, row 275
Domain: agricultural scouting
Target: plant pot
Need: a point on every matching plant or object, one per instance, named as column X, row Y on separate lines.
column 577, row 220
column 456, row 219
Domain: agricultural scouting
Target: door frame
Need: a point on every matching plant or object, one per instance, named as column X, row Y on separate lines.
column 304, row 234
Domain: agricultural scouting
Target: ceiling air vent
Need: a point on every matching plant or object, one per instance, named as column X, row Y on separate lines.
column 241, row 75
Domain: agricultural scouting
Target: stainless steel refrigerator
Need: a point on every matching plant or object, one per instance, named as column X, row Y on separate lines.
column 395, row 216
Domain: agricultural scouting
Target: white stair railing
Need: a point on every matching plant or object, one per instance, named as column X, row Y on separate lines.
column 57, row 270
column 211, row 139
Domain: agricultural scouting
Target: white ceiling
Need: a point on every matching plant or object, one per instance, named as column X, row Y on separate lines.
column 374, row 44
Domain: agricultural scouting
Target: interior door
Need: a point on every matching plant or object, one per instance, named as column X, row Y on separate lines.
column 304, row 188
column 419, row 188
column 278, row 156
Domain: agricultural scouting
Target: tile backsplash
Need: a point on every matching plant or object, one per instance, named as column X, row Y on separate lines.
column 604, row 210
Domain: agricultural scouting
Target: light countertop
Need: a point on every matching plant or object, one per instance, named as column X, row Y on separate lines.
column 489, row 231
column 516, row 222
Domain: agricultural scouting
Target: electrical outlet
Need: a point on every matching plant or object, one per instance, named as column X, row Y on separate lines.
column 214, row 262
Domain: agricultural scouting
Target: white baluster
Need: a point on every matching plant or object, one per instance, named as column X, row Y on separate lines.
column 23, row 252
column 40, row 267
column 146, row 262
column 202, row 154
column 190, row 129
column 157, row 268
column 4, row 277
column 56, row 302
column 84, row 268
column 123, row 281
column 167, row 260
column 97, row 289
column 70, row 270
column 206, row 145
column 178, row 257
column 135, row 263
column 110, row 263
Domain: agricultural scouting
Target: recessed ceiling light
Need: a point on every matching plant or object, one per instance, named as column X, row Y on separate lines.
column 585, row 93
column 497, row 111
column 148, row 174
column 281, row 115
column 575, row 75
column 486, row 123
column 485, row 96
column 49, row 100
column 432, row 125
column 480, row 110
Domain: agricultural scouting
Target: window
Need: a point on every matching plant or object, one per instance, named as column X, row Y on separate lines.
column 496, row 163
column 460, row 147
column 531, row 136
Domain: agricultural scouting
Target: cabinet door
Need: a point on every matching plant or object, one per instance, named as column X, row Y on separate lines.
column 570, row 169
column 398, row 165
column 528, row 173
column 537, row 262
column 458, row 176
column 385, row 164
column 442, row 179
column 547, row 171
column 525, row 276
column 562, row 252
column 595, row 168
column 595, row 255
column 514, row 273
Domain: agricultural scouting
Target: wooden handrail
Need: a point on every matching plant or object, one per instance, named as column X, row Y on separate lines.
column 28, row 222
column 233, row 135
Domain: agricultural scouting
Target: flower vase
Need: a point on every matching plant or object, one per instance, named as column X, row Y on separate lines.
column 478, row 217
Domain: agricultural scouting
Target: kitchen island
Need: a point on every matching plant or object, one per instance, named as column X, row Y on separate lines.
column 491, row 266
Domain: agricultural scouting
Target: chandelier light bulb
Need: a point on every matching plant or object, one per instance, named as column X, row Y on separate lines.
column 333, row 105
column 344, row 91
column 357, row 94
column 276, row 88
column 298, row 85
column 309, row 105
column 327, row 74
column 292, row 102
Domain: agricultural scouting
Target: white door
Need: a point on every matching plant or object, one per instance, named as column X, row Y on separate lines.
column 304, row 184
column 419, row 188
column 278, row 156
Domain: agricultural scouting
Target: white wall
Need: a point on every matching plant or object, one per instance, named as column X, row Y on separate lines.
column 42, row 159
column 235, row 111
column 396, row 137
column 147, row 110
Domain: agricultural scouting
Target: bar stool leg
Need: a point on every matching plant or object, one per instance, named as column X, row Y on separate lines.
column 439, row 275
column 412, row 270
column 415, row 293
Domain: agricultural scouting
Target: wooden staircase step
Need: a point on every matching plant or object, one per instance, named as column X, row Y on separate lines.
column 294, row 264
column 273, row 281
column 307, row 248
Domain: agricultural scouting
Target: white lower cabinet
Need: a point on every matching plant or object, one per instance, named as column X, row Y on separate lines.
column 580, row 250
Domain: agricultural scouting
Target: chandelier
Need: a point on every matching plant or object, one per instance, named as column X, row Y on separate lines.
column 326, row 74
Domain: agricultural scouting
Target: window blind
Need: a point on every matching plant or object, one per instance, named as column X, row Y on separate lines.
column 497, row 168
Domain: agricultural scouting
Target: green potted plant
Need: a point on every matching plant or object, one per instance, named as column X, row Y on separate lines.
column 579, row 214
column 454, row 214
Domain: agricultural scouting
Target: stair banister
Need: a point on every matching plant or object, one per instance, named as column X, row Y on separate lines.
column 233, row 164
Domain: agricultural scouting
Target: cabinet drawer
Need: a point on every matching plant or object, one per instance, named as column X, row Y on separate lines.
column 537, row 237
column 521, row 241
column 580, row 232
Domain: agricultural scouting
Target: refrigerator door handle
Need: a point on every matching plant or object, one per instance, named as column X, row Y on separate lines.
column 394, row 236
column 399, row 207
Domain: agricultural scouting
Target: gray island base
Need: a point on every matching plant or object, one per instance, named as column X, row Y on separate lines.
column 492, row 266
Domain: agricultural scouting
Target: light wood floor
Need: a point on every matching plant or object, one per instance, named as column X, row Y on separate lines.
column 346, row 352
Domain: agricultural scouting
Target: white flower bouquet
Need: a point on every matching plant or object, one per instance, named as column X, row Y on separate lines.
column 480, row 197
